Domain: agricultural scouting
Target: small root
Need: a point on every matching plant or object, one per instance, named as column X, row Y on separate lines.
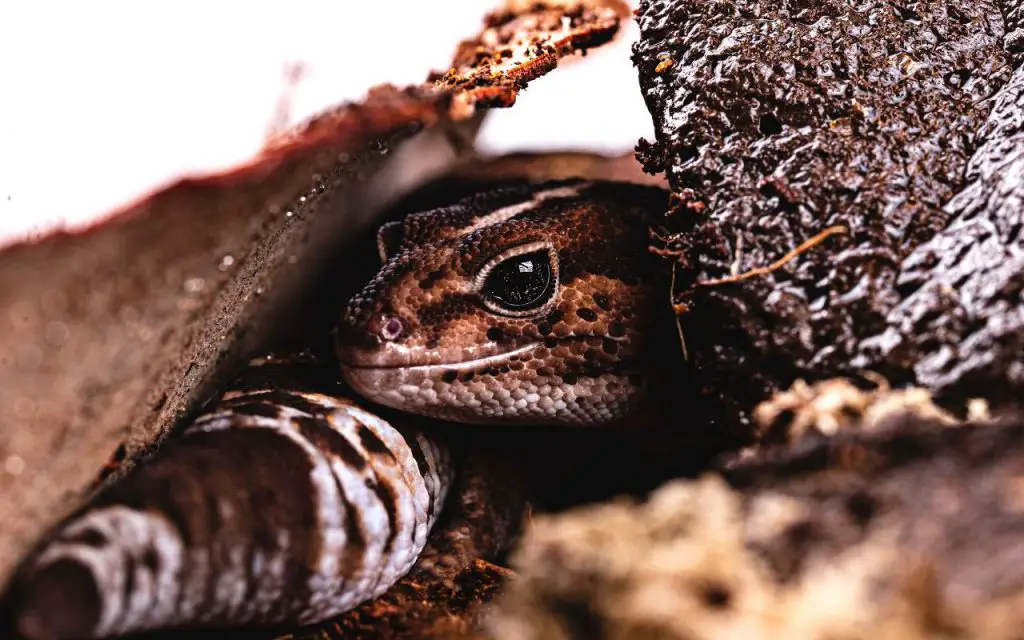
column 805, row 246
column 483, row 565
column 678, row 312
column 680, row 308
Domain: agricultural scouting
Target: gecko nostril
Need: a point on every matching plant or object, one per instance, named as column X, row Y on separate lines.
column 390, row 328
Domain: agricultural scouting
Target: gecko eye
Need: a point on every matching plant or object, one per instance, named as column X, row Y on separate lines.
column 521, row 283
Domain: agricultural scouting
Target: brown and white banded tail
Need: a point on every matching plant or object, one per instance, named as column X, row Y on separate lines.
column 275, row 507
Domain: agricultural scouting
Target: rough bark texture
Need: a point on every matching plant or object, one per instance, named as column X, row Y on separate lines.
column 775, row 121
column 960, row 323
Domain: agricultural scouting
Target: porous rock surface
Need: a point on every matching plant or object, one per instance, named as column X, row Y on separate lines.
column 777, row 120
column 959, row 325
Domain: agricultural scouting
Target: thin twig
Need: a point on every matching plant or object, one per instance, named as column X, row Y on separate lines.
column 778, row 264
column 678, row 314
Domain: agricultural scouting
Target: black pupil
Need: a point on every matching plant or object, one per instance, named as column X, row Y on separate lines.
column 521, row 282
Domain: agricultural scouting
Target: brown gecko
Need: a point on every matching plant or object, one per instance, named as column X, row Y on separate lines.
column 289, row 503
column 522, row 305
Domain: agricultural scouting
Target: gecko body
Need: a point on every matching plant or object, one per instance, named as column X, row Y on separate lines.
column 288, row 502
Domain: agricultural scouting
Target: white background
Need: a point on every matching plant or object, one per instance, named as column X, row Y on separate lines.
column 103, row 101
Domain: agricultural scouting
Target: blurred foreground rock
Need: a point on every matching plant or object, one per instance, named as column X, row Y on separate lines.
column 913, row 531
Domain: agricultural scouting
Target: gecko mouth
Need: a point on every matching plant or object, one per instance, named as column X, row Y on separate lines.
column 462, row 365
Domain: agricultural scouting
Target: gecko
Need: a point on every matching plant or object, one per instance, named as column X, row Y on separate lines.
column 290, row 501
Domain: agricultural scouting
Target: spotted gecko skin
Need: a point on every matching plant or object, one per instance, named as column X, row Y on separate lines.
column 525, row 305
column 276, row 506
column 287, row 503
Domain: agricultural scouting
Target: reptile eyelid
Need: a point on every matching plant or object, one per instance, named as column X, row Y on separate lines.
column 480, row 280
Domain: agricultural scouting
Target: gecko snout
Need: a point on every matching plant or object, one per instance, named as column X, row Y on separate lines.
column 364, row 341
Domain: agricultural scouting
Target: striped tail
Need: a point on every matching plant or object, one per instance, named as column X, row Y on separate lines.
column 275, row 507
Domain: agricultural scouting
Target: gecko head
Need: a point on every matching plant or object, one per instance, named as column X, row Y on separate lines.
column 530, row 304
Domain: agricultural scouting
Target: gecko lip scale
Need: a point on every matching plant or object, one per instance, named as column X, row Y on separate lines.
column 486, row 361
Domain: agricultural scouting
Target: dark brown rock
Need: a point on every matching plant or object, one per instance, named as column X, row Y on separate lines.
column 959, row 325
column 775, row 121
